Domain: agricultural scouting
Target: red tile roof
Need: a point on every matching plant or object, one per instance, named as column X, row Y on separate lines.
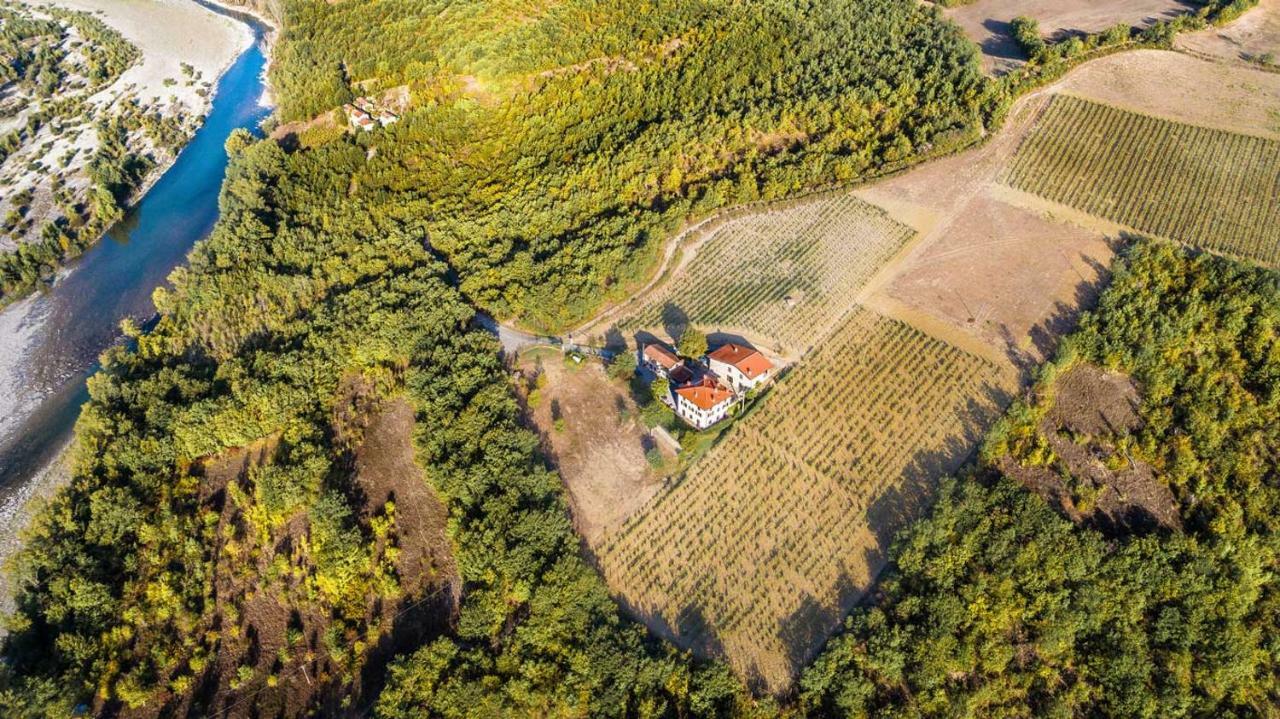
column 748, row 360
column 705, row 395
column 661, row 356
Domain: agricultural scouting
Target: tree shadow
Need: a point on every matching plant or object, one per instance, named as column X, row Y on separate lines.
column 1001, row 43
column 674, row 321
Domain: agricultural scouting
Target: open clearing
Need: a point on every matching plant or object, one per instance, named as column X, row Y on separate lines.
column 1249, row 38
column 986, row 22
column 1209, row 188
column 763, row 547
column 1182, row 88
column 599, row 444
column 782, row 276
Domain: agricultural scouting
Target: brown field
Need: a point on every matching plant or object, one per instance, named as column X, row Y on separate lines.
column 766, row 543
column 986, row 22
column 1251, row 36
column 1180, row 87
column 600, row 450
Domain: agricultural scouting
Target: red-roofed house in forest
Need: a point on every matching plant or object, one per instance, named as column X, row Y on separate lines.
column 742, row 368
column 704, row 403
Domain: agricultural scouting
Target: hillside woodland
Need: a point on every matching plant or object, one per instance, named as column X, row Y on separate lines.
column 217, row 466
column 550, row 156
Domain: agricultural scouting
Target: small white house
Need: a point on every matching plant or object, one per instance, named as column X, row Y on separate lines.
column 741, row 368
column 703, row 404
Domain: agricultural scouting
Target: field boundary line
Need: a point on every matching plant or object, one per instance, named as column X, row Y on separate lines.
column 939, row 329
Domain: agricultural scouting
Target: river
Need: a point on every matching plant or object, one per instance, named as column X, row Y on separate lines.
column 50, row 342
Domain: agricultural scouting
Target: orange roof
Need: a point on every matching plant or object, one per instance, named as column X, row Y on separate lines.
column 661, row 356
column 748, row 360
column 706, row 395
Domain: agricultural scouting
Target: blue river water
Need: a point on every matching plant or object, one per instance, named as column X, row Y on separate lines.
column 51, row 342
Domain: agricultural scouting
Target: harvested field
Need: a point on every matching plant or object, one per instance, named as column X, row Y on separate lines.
column 986, row 22
column 598, row 445
column 1249, row 38
column 1012, row 278
column 767, row 542
column 1180, row 87
column 1210, row 188
column 781, row 277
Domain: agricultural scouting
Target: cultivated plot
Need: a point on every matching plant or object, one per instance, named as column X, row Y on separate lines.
column 763, row 547
column 1210, row 188
column 783, row 276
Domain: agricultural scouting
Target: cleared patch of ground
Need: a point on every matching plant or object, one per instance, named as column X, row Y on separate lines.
column 1250, row 38
column 1012, row 278
column 987, row 22
column 592, row 434
column 761, row 549
column 1180, row 87
column 1089, row 474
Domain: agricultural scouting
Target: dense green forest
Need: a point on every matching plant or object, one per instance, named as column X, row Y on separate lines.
column 550, row 156
column 999, row 606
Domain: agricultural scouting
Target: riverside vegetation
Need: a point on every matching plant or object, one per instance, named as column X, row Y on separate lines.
column 70, row 160
column 543, row 163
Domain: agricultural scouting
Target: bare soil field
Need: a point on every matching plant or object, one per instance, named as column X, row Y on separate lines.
column 1180, row 87
column 1251, row 37
column 986, row 22
column 1091, row 411
column 593, row 436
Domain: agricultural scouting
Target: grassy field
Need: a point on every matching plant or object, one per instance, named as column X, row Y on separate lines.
column 1209, row 188
column 784, row 275
column 770, row 538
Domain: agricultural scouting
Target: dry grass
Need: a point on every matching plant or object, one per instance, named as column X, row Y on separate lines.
column 759, row 552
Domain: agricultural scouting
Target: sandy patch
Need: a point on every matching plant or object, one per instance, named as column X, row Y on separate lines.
column 169, row 33
column 599, row 448
column 986, row 22
column 1251, row 36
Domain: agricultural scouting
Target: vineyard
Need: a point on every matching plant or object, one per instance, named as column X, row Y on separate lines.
column 784, row 274
column 770, row 538
column 1209, row 188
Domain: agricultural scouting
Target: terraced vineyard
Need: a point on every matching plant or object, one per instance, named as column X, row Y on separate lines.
column 785, row 274
column 1209, row 188
column 770, row 538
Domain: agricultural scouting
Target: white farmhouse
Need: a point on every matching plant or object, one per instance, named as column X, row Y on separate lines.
column 704, row 403
column 741, row 368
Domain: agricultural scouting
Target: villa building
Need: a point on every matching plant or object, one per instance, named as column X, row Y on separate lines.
column 741, row 368
column 704, row 403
